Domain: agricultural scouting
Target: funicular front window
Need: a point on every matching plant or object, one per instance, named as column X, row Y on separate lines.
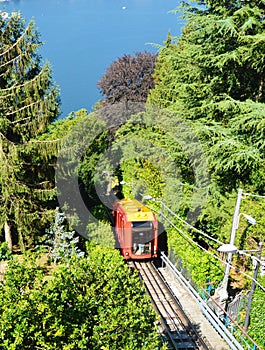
column 142, row 235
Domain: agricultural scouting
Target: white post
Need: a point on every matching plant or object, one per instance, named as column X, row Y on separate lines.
column 253, row 286
column 232, row 238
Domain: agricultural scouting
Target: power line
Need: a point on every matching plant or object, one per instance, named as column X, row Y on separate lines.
column 192, row 227
column 189, row 225
column 205, row 250
column 217, row 257
column 253, row 195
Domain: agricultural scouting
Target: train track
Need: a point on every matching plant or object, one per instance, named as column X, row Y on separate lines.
column 175, row 327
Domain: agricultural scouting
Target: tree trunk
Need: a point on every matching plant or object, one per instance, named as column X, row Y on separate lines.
column 260, row 92
column 8, row 237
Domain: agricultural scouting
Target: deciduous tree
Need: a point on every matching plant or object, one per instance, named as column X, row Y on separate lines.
column 129, row 78
column 93, row 302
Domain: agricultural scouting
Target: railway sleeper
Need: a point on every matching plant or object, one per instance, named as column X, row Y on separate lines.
column 174, row 342
column 185, row 345
column 174, row 325
column 177, row 332
column 180, row 336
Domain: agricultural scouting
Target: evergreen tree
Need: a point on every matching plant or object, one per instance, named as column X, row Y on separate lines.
column 218, row 59
column 214, row 76
column 62, row 244
column 29, row 102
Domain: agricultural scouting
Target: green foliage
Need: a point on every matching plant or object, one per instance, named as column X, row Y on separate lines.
column 88, row 169
column 60, row 128
column 5, row 253
column 213, row 75
column 62, row 244
column 133, row 316
column 201, row 266
column 101, row 233
column 256, row 328
column 213, row 59
column 92, row 303
column 29, row 101
column 156, row 160
column 84, row 140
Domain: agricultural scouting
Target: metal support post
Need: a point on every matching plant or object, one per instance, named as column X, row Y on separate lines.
column 162, row 210
column 253, row 286
column 232, row 238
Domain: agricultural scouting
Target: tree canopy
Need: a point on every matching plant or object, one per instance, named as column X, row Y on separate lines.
column 213, row 75
column 92, row 302
column 202, row 130
column 129, row 78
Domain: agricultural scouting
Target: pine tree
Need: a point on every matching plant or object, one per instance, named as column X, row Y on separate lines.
column 62, row 243
column 29, row 102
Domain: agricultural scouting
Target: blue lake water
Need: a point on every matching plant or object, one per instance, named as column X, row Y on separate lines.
column 83, row 37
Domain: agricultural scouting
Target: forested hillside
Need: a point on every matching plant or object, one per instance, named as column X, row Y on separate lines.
column 184, row 127
column 56, row 291
column 201, row 137
column 212, row 76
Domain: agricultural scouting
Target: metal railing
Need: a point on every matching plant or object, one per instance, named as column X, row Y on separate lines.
column 220, row 324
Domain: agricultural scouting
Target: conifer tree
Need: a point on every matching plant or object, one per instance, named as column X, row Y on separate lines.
column 28, row 103
column 214, row 76
column 219, row 58
column 62, row 244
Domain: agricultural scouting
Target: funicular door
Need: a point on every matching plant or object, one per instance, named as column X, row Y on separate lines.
column 142, row 237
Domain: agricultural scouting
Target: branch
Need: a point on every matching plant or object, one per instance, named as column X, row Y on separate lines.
column 21, row 109
column 21, row 85
column 15, row 44
column 44, row 141
column 6, row 63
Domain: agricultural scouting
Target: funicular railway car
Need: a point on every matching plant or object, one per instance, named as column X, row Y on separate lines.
column 136, row 229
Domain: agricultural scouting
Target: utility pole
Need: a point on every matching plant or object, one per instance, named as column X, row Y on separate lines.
column 232, row 238
column 162, row 210
column 253, row 286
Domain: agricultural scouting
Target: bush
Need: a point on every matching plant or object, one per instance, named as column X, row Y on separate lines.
column 5, row 253
column 90, row 303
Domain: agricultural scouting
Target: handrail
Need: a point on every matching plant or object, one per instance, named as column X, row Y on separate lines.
column 206, row 310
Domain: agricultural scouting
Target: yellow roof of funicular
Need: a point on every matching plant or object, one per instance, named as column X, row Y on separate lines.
column 136, row 211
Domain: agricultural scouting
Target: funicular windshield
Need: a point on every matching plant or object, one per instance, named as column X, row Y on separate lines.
column 142, row 235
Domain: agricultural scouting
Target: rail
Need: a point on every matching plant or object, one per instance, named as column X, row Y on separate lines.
column 206, row 310
column 223, row 322
column 176, row 328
